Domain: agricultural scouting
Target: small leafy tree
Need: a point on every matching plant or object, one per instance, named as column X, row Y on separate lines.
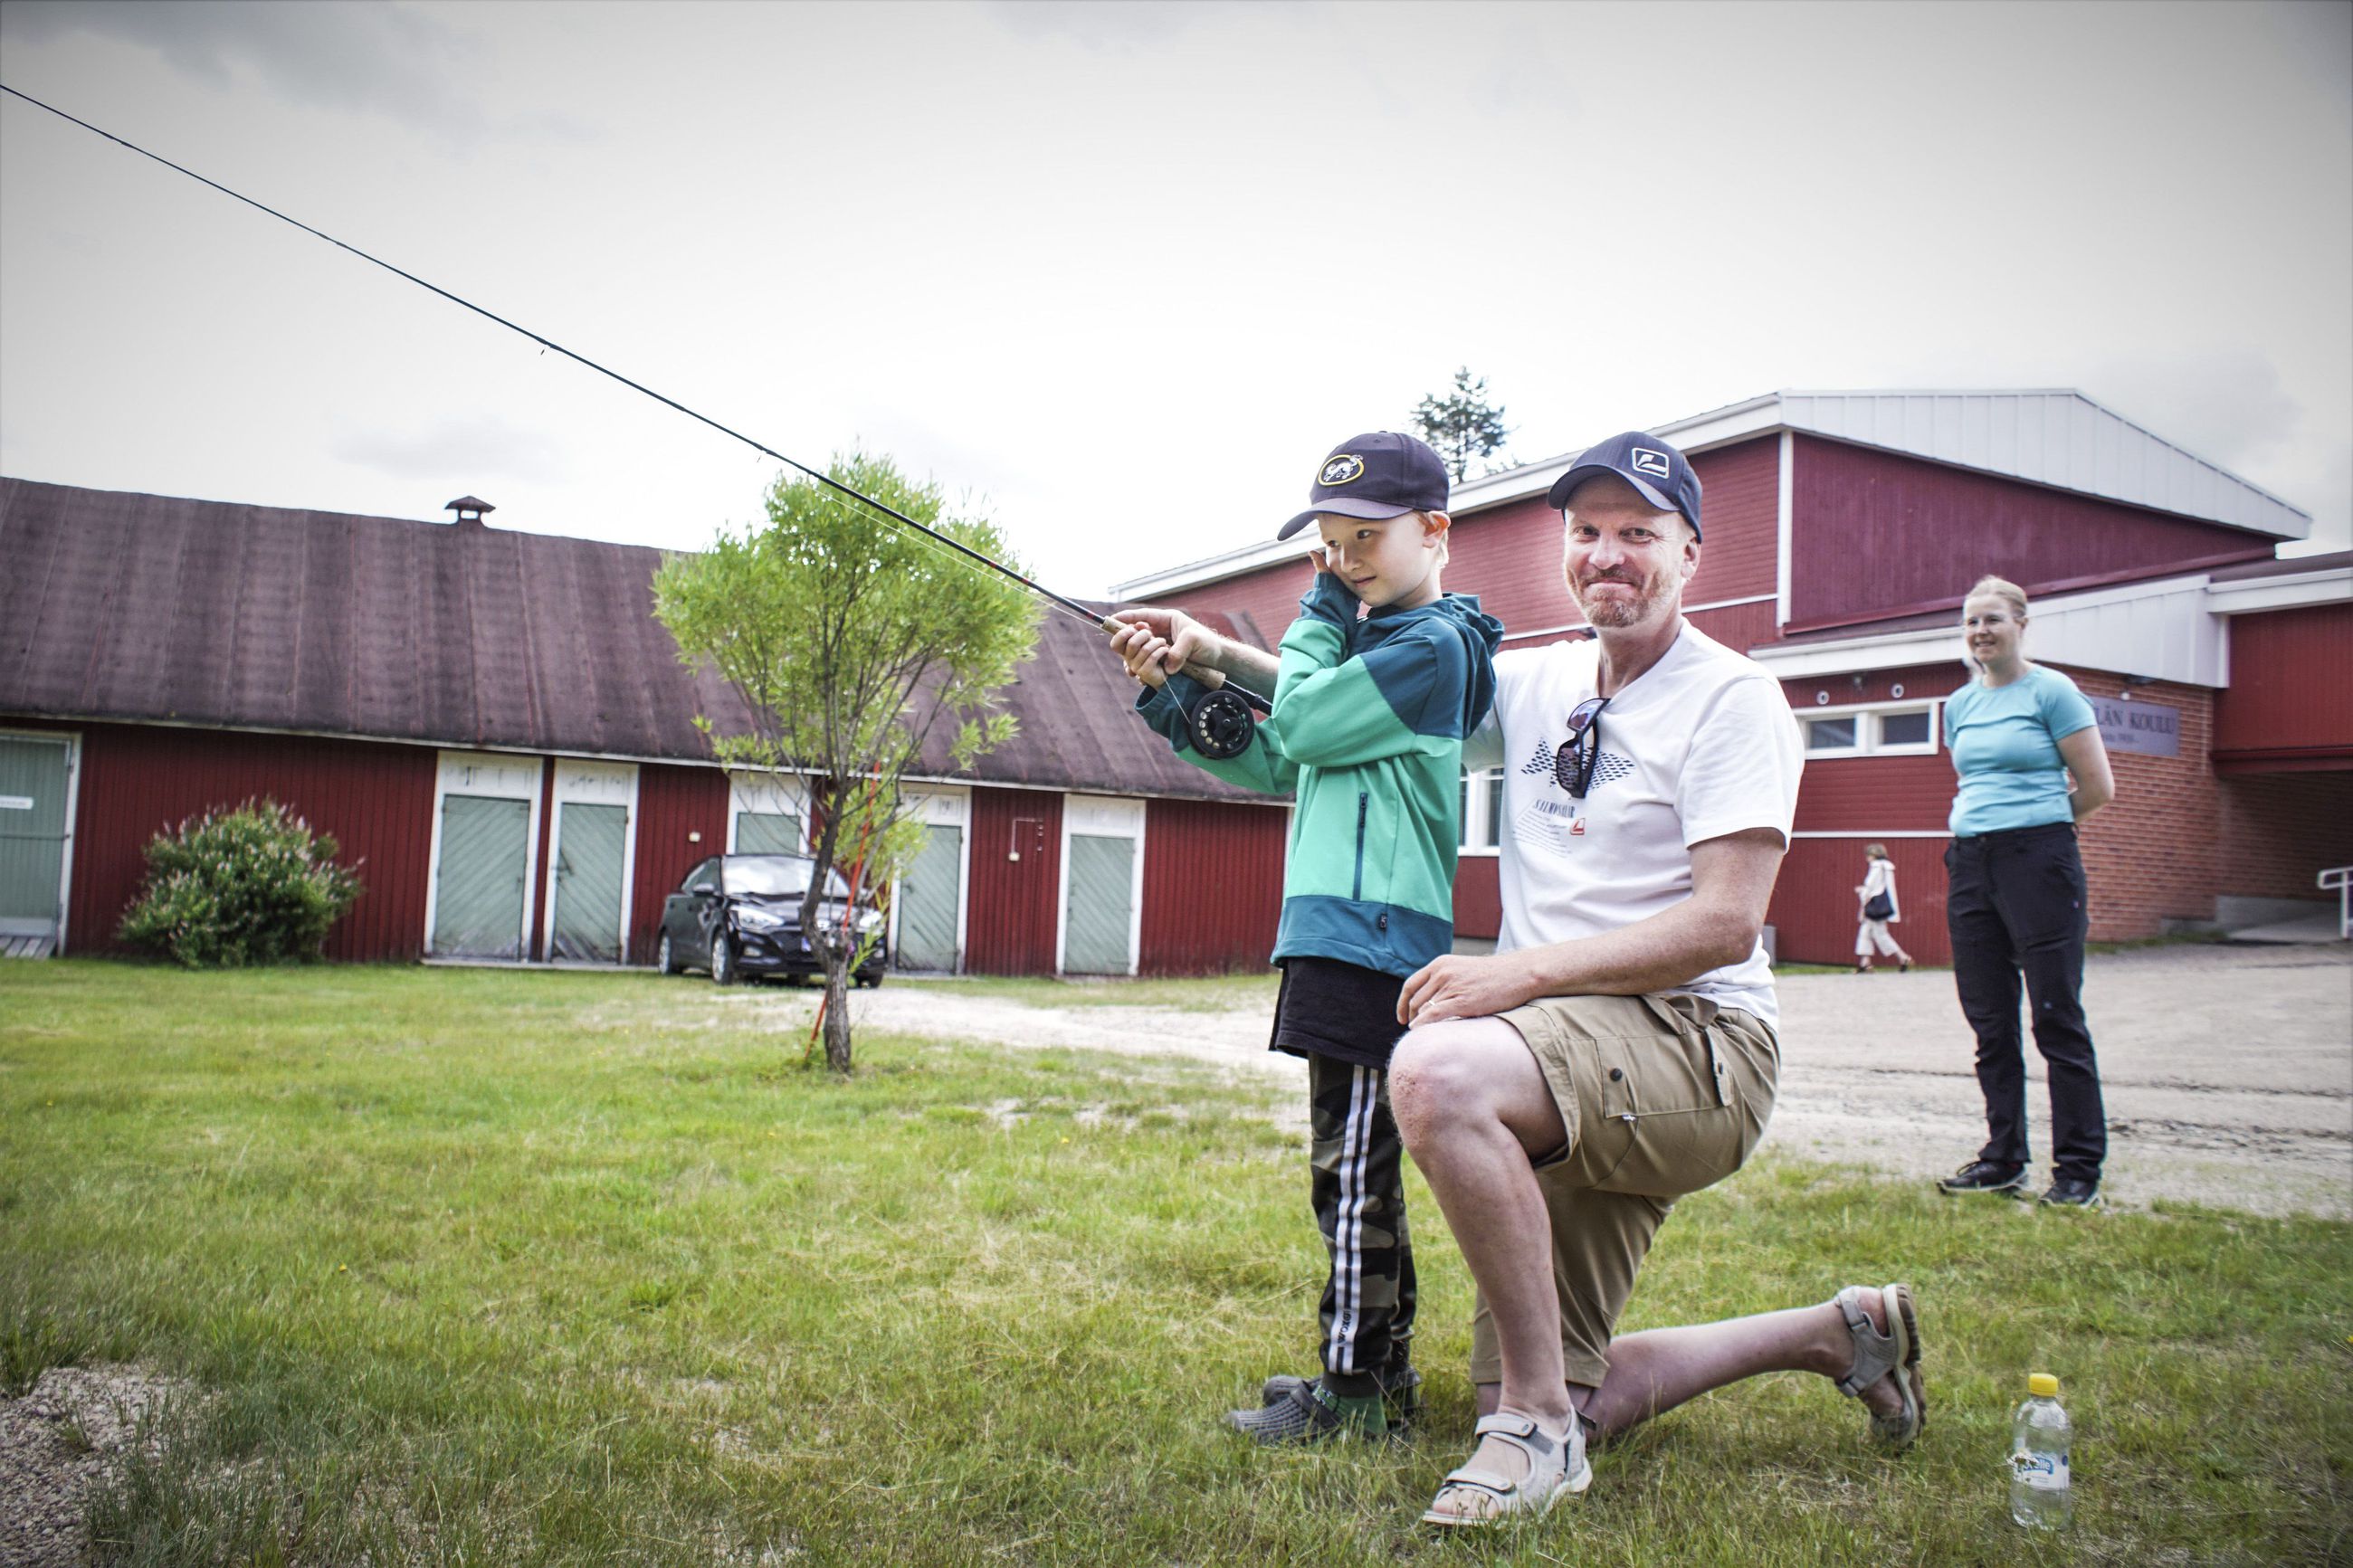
column 235, row 888
column 1463, row 426
column 850, row 638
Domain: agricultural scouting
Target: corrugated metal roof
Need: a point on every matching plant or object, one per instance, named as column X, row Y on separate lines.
column 127, row 606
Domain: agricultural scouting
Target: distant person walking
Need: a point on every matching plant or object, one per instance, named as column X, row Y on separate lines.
column 1879, row 910
column 2027, row 748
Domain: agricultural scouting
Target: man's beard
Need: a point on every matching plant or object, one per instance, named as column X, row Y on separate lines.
column 1616, row 612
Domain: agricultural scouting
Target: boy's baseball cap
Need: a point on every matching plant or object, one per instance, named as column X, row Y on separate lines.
column 1379, row 474
column 1655, row 470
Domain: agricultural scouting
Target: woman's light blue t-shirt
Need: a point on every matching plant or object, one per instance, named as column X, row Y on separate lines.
column 2005, row 744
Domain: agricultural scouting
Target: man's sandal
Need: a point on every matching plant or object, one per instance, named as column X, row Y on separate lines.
column 1557, row 1468
column 1895, row 1353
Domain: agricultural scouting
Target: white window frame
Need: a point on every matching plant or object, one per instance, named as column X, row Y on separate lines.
column 1480, row 834
column 1105, row 817
column 780, row 795
column 947, row 805
column 583, row 783
column 1868, row 738
column 1880, row 746
column 496, row 776
column 71, row 739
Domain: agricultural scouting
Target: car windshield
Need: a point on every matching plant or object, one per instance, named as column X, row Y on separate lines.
column 776, row 876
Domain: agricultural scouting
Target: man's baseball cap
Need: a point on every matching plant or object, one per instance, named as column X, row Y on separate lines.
column 1375, row 475
column 1656, row 470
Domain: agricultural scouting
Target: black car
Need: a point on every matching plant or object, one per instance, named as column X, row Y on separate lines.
column 740, row 915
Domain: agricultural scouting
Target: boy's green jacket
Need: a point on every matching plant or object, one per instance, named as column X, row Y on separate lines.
column 1368, row 729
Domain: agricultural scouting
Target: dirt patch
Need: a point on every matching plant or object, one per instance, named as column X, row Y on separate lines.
column 61, row 1439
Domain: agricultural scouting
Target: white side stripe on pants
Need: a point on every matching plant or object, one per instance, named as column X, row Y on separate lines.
column 1348, row 1221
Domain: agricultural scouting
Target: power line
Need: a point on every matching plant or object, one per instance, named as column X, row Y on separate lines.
column 1069, row 606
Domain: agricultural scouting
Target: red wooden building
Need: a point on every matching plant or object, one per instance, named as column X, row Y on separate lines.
column 494, row 721
column 1843, row 529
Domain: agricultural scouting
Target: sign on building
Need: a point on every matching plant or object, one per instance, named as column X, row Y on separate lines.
column 2151, row 729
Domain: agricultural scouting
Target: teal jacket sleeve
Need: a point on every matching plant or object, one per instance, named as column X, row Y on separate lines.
column 1334, row 711
column 1260, row 767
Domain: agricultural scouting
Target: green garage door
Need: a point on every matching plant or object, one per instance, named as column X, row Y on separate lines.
column 477, row 901
column 591, row 845
column 767, row 833
column 32, row 838
column 927, row 902
column 1103, row 884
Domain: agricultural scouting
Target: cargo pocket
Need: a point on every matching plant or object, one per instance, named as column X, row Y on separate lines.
column 1668, row 1124
column 2043, row 887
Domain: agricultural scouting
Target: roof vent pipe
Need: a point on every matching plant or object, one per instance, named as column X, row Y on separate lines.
column 470, row 510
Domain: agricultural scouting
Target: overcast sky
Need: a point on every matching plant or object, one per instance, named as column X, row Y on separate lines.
column 1126, row 271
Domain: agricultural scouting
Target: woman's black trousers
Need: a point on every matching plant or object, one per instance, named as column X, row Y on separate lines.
column 2014, row 906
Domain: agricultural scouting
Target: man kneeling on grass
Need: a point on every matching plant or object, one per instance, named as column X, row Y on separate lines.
column 1619, row 1050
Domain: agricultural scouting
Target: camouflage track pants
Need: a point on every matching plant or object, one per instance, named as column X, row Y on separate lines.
column 1358, row 1189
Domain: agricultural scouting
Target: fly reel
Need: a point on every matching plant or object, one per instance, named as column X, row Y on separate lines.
column 1220, row 724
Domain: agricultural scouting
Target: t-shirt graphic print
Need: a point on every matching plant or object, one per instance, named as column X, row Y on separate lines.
column 1553, row 822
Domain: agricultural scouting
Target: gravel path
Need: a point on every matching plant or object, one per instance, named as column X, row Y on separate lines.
column 56, row 1442
column 2228, row 1071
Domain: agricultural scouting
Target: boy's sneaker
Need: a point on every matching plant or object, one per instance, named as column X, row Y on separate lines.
column 1286, row 1400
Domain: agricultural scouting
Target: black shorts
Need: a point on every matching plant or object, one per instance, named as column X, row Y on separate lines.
column 1327, row 1008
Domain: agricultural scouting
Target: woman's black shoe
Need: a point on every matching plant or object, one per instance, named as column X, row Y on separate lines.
column 1984, row 1176
column 2071, row 1192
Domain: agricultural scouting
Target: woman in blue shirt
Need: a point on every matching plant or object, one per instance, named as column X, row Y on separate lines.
column 2027, row 748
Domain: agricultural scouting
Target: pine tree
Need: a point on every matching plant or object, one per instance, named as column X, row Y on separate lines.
column 1463, row 426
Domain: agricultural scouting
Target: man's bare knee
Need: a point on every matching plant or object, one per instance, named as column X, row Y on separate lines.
column 1431, row 1077
column 1469, row 1072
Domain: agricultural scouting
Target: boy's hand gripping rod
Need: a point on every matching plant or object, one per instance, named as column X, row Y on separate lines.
column 1220, row 721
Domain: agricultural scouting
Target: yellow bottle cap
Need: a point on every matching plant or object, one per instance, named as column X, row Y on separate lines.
column 2041, row 1384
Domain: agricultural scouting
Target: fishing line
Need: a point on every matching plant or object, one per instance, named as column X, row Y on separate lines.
column 1220, row 734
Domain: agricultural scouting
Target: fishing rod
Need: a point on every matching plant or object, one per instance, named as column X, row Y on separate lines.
column 1220, row 720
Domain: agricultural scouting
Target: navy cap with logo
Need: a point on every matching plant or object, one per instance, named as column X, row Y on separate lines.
column 1379, row 474
column 1655, row 470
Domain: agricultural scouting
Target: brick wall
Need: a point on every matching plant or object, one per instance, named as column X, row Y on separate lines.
column 2154, row 852
column 2281, row 830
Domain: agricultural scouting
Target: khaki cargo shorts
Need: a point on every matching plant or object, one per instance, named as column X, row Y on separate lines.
column 1662, row 1095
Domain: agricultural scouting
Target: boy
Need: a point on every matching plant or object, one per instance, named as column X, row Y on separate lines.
column 1382, row 676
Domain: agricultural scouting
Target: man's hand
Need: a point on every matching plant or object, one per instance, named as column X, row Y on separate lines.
column 1461, row 986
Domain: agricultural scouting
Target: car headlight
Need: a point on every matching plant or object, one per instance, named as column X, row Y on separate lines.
column 871, row 920
column 759, row 920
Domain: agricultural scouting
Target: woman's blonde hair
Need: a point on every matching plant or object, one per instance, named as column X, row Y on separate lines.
column 1875, row 851
column 1992, row 587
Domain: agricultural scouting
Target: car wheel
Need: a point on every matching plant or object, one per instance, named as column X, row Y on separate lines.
column 665, row 959
column 722, row 961
column 871, row 981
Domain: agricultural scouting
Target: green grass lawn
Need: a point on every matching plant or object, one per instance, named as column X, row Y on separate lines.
column 495, row 1268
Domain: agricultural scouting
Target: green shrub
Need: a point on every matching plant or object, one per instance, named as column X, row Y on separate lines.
column 233, row 888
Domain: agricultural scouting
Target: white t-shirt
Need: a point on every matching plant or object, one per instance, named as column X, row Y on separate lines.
column 1701, row 745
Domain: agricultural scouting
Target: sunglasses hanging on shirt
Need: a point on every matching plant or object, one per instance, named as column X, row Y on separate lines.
column 1573, row 763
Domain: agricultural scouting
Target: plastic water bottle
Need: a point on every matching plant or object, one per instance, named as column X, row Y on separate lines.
column 2039, row 1494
